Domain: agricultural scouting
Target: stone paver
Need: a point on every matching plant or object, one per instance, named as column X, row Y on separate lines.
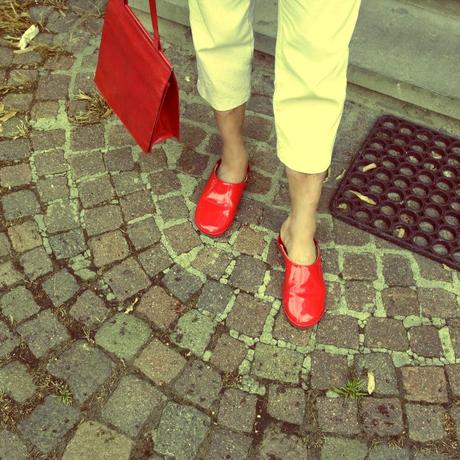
column 116, row 312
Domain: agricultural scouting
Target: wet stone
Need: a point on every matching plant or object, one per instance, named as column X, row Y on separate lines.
column 383, row 369
column 95, row 191
column 199, row 383
column 48, row 424
column 89, row 309
column 84, row 368
column 136, row 205
column 248, row 315
column 159, row 307
column 173, row 208
column 343, row 449
column 192, row 163
column 384, row 452
column 425, row 422
column 127, row 182
column 160, row 363
column 60, row 287
column 45, row 109
column 68, row 244
column 454, row 330
column 47, row 139
column 400, row 301
column 330, row 261
column 53, row 87
column 275, row 285
column 359, row 267
column 248, row 274
column 86, row 164
column 237, row 410
column 385, row 333
column 424, row 340
column 126, row 279
column 426, row 383
column 250, row 241
column 108, row 247
column 284, row 331
column 226, row 445
column 15, row 149
column 453, row 375
column 36, row 263
column 286, row 404
column 348, row 235
column 130, row 405
column 118, row 136
column 88, row 137
column 328, row 371
column 228, row 353
column 19, row 204
column 123, row 335
column 338, row 330
column 193, row 331
column 214, row 297
column 276, row 444
column 102, row 219
column 52, row 162
column 18, row 304
column 360, row 295
column 11, row 446
column 16, row 382
column 16, row 175
column 94, row 440
column 277, row 363
column 60, row 217
column 8, row 275
column 182, row 237
column 420, row 455
column 181, row 283
column 455, row 414
column 181, row 431
column 144, row 233
column 382, row 417
column 164, row 182
column 338, row 416
column 212, row 261
column 119, row 160
column 5, row 248
column 8, row 340
column 24, row 236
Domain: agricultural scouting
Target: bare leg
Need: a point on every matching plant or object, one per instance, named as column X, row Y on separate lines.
column 234, row 154
column 298, row 230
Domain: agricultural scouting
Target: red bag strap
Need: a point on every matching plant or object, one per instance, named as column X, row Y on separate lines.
column 154, row 17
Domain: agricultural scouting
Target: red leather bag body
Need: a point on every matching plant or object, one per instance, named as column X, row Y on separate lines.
column 135, row 78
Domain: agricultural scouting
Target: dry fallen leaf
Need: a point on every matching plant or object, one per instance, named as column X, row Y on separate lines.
column 28, row 36
column 6, row 116
column 187, row 78
column 370, row 382
column 340, row 176
column 447, row 268
column 364, row 198
column 342, row 206
column 400, row 232
column 369, row 167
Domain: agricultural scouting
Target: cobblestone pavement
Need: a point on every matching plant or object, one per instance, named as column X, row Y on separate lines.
column 127, row 334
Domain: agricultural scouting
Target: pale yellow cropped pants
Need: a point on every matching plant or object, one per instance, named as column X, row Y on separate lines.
column 311, row 61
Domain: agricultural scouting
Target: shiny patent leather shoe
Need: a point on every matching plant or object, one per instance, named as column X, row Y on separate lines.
column 304, row 290
column 216, row 208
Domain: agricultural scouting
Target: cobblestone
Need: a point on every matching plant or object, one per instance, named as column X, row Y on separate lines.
column 426, row 383
column 237, row 410
column 286, row 404
column 425, row 422
column 18, row 304
column 382, row 417
column 338, row 416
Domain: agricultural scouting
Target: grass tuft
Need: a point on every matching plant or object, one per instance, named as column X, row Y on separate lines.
column 97, row 108
column 353, row 389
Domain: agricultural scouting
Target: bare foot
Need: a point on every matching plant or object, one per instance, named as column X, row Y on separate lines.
column 234, row 166
column 300, row 248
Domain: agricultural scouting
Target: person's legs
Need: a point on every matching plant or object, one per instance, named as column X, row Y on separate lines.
column 310, row 87
column 223, row 39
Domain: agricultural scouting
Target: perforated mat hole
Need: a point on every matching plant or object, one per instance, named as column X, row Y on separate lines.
column 436, row 154
column 439, row 198
column 343, row 206
column 443, row 185
column 389, row 124
column 370, row 156
column 449, row 173
column 388, row 209
column 440, row 249
column 407, row 170
column 441, row 142
column 400, row 231
column 382, row 176
column 395, row 151
column 401, row 182
column 358, row 180
column 389, row 164
column 407, row 217
column 451, row 161
column 455, row 205
column 420, row 240
column 394, row 195
column 456, row 255
column 362, row 215
column 452, row 219
column 405, row 129
column 430, row 165
column 446, row 234
column 414, row 204
column 425, row 178
column 382, row 224
column 376, row 187
column 377, row 145
column 413, row 158
column 384, row 134
column 420, row 191
column 455, row 148
column 401, row 140
column 433, row 212
column 418, row 147
column 426, row 226
column 423, row 136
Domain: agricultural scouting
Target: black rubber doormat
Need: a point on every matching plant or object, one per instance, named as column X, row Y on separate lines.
column 404, row 186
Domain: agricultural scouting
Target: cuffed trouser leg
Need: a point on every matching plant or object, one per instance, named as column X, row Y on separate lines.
column 223, row 38
column 311, row 62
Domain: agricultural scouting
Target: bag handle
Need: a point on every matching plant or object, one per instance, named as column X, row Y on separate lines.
column 154, row 18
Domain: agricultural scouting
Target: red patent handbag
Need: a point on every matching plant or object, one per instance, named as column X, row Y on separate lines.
column 135, row 77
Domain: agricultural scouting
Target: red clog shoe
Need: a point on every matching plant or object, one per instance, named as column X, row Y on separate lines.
column 216, row 208
column 304, row 290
